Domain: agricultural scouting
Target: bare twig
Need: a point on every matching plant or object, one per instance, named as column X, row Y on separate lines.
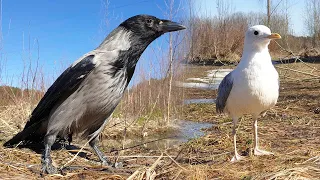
column 306, row 73
column 176, row 162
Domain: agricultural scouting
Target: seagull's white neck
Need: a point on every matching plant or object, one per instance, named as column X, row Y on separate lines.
column 255, row 55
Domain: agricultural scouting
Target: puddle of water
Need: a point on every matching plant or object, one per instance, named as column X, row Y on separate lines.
column 199, row 101
column 190, row 130
column 183, row 131
column 204, row 86
column 210, row 82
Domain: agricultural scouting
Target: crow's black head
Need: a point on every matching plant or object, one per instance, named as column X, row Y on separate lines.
column 132, row 37
column 150, row 27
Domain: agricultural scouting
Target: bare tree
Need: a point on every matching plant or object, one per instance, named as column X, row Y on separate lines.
column 171, row 13
column 312, row 8
column 268, row 12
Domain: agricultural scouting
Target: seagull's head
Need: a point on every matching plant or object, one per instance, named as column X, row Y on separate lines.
column 259, row 37
column 149, row 27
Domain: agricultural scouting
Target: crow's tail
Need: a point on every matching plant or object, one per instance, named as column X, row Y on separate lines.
column 26, row 134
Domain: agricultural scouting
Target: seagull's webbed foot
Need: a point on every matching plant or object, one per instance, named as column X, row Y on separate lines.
column 259, row 152
column 237, row 157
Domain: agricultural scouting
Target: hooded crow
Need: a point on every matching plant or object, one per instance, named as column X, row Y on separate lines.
column 84, row 96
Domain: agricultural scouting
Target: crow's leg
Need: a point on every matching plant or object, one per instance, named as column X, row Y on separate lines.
column 70, row 139
column 46, row 161
column 93, row 144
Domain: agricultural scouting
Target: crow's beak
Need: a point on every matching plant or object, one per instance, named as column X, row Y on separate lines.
column 274, row 36
column 169, row 26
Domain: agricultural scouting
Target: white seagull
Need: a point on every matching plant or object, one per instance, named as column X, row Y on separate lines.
column 253, row 86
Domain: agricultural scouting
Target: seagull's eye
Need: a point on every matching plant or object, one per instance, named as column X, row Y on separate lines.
column 256, row 33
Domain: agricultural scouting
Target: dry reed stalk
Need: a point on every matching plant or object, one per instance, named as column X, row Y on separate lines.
column 313, row 160
column 148, row 173
column 178, row 174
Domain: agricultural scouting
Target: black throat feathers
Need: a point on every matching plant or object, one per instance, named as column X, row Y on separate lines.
column 128, row 59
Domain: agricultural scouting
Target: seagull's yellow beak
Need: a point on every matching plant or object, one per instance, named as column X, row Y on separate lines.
column 274, row 36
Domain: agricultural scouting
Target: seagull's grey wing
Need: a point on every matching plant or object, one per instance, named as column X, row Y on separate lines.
column 63, row 87
column 223, row 92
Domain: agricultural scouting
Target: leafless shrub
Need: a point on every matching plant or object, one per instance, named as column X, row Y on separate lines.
column 312, row 9
column 221, row 36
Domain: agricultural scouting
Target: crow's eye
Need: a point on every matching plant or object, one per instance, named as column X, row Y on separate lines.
column 256, row 33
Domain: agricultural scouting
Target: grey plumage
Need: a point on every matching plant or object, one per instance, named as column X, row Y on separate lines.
column 83, row 97
column 223, row 92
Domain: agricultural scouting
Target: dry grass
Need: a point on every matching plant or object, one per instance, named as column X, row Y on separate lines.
column 290, row 130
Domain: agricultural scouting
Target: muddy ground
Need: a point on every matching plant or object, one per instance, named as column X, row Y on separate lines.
column 291, row 130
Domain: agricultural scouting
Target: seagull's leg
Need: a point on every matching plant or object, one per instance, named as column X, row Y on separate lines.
column 257, row 151
column 93, row 144
column 46, row 160
column 236, row 156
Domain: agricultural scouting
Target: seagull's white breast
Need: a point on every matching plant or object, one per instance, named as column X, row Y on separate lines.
column 255, row 87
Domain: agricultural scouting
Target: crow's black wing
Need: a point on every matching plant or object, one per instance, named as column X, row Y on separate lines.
column 65, row 84
column 63, row 87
